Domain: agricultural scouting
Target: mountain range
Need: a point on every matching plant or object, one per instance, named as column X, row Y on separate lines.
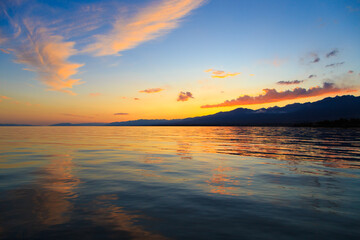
column 336, row 111
column 328, row 109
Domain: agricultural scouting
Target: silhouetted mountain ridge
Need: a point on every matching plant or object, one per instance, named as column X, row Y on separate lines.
column 328, row 109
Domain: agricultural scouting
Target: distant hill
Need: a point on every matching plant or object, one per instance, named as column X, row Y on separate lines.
column 79, row 124
column 328, row 109
column 339, row 111
column 13, row 125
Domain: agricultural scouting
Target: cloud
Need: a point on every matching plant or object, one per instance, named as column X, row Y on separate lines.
column 316, row 58
column 94, row 94
column 4, row 51
column 152, row 90
column 184, row 96
column 312, row 76
column 290, row 82
column 350, row 71
column 149, row 23
column 251, row 75
column 278, row 62
column 41, row 51
column 333, row 53
column 121, row 114
column 47, row 55
column 14, row 101
column 351, row 9
column 335, row 64
column 2, row 38
column 220, row 73
column 272, row 95
column 136, row 99
column 311, row 57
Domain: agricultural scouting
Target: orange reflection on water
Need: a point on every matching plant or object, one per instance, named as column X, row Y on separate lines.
column 57, row 176
column 219, row 182
column 46, row 202
column 184, row 150
column 151, row 159
column 293, row 145
column 108, row 214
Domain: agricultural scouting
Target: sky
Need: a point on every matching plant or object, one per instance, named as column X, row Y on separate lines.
column 107, row 61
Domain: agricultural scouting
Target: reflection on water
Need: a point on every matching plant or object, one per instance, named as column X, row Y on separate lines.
column 118, row 220
column 179, row 183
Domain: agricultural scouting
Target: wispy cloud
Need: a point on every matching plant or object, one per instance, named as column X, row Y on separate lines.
column 5, row 97
column 94, row 94
column 14, row 101
column 221, row 74
column 121, row 114
column 278, row 62
column 312, row 76
column 149, row 23
column 184, row 96
column 310, row 57
column 44, row 53
column 333, row 53
column 272, row 95
column 290, row 82
column 315, row 57
column 351, row 9
column 4, row 51
column 48, row 55
column 335, row 64
column 2, row 38
column 136, row 99
column 152, row 90
column 40, row 43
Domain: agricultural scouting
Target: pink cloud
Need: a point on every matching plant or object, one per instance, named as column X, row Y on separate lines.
column 220, row 73
column 184, row 96
column 43, row 52
column 152, row 90
column 4, row 51
column 149, row 23
column 272, row 95
column 47, row 55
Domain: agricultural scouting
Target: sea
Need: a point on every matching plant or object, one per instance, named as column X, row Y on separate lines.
column 179, row 183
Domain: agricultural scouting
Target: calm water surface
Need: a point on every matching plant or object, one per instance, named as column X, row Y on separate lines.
column 179, row 183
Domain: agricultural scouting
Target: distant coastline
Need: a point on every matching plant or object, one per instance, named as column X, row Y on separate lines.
column 340, row 111
column 340, row 123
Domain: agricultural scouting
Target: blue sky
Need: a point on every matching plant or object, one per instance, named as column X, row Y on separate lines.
column 117, row 48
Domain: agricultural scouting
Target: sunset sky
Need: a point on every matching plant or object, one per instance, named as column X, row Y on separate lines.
column 106, row 61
